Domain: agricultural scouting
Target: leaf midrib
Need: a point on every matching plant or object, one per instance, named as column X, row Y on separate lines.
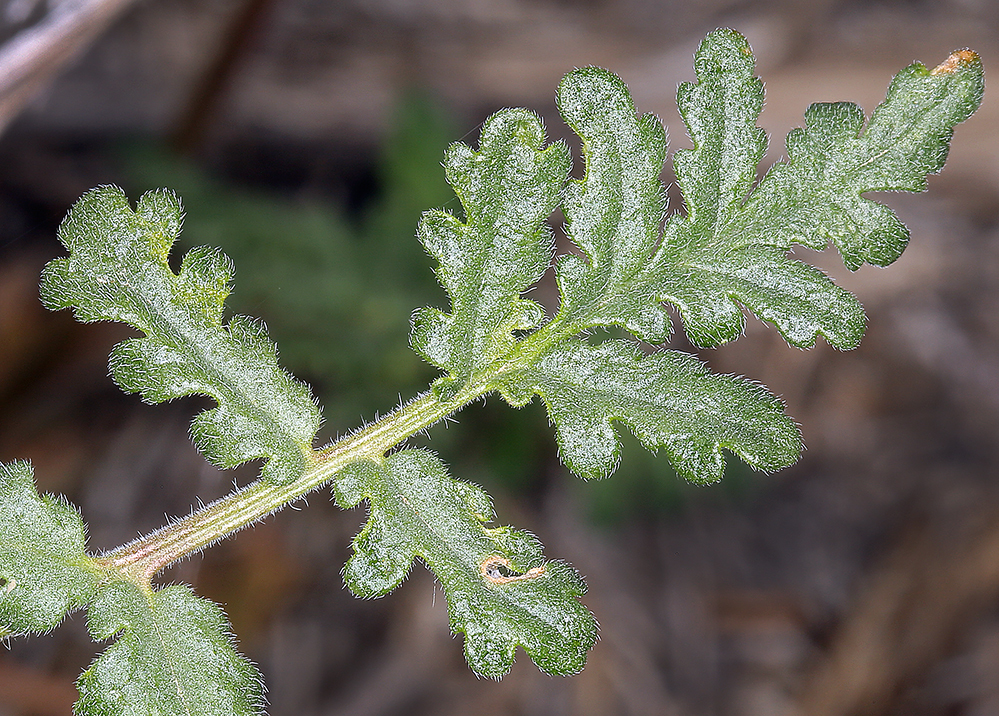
column 185, row 341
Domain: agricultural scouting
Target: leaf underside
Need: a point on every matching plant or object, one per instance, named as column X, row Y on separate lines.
column 118, row 270
column 501, row 592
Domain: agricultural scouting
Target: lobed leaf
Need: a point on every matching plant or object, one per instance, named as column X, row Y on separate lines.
column 669, row 400
column 45, row 572
column 728, row 253
column 613, row 213
column 729, row 250
column 501, row 592
column 507, row 188
column 174, row 655
column 816, row 196
column 118, row 270
column 705, row 267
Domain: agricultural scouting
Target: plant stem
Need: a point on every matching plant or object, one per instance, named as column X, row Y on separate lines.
column 139, row 561
column 142, row 559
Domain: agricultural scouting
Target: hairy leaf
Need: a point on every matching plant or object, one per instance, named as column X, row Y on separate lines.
column 44, row 569
column 501, row 592
column 816, row 197
column 174, row 655
column 507, row 188
column 707, row 267
column 728, row 253
column 118, row 270
column 729, row 250
column 669, row 399
column 614, row 212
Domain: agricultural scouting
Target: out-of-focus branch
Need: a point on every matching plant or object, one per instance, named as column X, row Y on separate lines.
column 234, row 44
column 933, row 583
column 33, row 57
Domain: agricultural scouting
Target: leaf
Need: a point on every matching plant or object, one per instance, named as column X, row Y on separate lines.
column 816, row 197
column 507, row 189
column 707, row 268
column 500, row 591
column 730, row 249
column 174, row 655
column 45, row 572
column 669, row 400
column 315, row 275
column 614, row 212
column 118, row 270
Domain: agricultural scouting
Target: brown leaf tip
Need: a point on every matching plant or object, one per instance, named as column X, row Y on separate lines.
column 956, row 61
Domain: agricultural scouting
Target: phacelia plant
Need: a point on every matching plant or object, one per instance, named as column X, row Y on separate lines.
column 727, row 253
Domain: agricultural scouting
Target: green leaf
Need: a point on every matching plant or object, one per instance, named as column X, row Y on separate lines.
column 174, row 655
column 45, row 572
column 707, row 266
column 669, row 400
column 507, row 189
column 730, row 249
column 118, row 270
column 501, row 592
column 614, row 212
column 816, row 197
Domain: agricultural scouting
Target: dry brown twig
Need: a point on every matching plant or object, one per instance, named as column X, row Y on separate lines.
column 33, row 57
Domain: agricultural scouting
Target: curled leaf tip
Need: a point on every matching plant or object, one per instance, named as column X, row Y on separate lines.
column 957, row 60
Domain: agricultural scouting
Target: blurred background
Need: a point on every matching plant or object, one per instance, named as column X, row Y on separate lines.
column 305, row 138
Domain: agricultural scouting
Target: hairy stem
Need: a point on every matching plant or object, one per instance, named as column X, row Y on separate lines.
column 142, row 559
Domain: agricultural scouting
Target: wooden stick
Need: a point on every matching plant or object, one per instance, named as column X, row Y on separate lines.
column 32, row 58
